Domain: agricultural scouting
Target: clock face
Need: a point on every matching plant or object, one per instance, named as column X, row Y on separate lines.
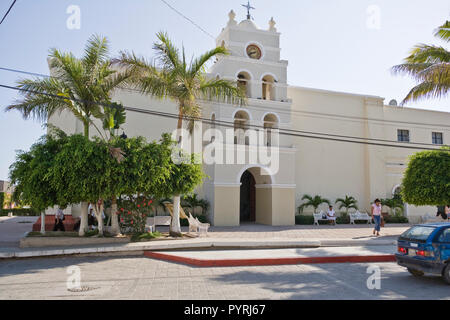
column 254, row 51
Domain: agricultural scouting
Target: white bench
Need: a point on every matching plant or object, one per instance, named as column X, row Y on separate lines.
column 360, row 216
column 196, row 226
column 158, row 221
column 319, row 217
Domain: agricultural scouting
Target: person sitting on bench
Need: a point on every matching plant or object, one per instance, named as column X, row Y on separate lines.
column 331, row 215
column 59, row 218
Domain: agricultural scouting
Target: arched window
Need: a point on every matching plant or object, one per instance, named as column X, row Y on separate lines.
column 241, row 122
column 270, row 127
column 268, row 87
column 243, row 80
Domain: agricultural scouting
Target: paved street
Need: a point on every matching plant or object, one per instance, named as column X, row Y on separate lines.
column 12, row 229
column 137, row 277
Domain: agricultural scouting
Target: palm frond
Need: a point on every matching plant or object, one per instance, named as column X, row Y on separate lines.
column 166, row 51
column 427, row 90
column 438, row 73
column 39, row 106
column 223, row 91
column 95, row 53
column 443, row 32
column 424, row 53
column 199, row 64
column 410, row 69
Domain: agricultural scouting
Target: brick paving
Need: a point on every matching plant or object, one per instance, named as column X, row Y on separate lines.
column 359, row 231
column 130, row 277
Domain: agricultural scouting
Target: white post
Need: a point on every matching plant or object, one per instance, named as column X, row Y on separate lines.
column 175, row 228
column 84, row 219
column 43, row 222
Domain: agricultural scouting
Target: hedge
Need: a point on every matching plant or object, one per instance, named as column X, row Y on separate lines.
column 185, row 222
column 20, row 212
column 309, row 220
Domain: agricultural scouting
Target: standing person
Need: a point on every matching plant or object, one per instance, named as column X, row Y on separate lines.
column 59, row 218
column 447, row 211
column 376, row 215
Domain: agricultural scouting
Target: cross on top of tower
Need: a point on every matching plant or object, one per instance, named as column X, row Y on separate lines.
column 248, row 7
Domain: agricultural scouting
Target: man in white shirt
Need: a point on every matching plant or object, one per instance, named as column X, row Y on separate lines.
column 331, row 215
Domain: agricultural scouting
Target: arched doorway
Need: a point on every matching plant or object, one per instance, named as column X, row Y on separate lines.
column 248, row 198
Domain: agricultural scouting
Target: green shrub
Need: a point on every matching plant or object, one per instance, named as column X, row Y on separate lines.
column 20, row 212
column 185, row 222
column 343, row 220
column 53, row 234
column 396, row 219
column 2, row 199
column 145, row 236
column 304, row 220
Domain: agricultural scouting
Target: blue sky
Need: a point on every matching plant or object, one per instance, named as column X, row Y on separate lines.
column 327, row 42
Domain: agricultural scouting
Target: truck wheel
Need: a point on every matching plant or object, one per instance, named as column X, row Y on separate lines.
column 446, row 273
column 416, row 273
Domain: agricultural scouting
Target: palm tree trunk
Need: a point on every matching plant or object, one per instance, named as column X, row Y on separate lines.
column 175, row 227
column 84, row 205
column 179, row 124
column 84, row 219
column 115, row 230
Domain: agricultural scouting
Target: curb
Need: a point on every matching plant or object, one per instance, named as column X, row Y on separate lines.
column 268, row 262
column 193, row 245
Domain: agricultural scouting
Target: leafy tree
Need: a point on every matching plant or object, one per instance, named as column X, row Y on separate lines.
column 30, row 175
column 348, row 202
column 172, row 77
column 82, row 171
column 184, row 178
column 426, row 181
column 429, row 65
column 314, row 202
column 145, row 166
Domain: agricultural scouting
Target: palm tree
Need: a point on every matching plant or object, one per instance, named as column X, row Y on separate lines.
column 393, row 204
column 314, row 202
column 192, row 201
column 204, row 204
column 172, row 77
column 347, row 203
column 83, row 85
column 429, row 65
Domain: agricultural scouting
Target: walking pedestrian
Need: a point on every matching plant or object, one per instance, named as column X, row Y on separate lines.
column 376, row 215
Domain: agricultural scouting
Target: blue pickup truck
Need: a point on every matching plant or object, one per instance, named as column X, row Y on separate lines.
column 425, row 248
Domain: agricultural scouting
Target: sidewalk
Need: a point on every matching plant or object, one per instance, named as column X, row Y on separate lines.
column 185, row 244
column 266, row 257
column 249, row 236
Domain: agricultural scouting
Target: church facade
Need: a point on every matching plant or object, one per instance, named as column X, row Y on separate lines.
column 320, row 142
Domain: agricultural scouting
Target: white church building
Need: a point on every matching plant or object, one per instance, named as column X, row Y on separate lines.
column 312, row 156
